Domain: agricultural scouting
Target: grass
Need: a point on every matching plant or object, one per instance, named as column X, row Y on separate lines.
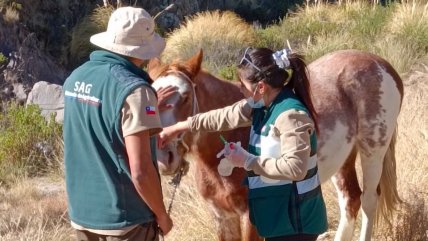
column 213, row 32
column 29, row 213
column 11, row 15
column 397, row 32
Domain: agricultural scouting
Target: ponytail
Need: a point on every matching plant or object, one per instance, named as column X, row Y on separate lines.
column 299, row 82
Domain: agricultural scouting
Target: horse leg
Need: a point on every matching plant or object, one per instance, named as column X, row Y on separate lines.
column 227, row 224
column 349, row 192
column 371, row 165
column 249, row 232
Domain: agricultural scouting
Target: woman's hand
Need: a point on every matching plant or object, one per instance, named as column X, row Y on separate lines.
column 237, row 155
column 163, row 94
column 171, row 132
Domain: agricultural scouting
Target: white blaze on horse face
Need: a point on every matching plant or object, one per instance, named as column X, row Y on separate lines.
column 167, row 117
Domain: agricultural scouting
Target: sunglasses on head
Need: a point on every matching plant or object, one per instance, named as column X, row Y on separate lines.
column 248, row 60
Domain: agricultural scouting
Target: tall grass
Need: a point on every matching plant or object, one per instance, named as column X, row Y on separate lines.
column 397, row 32
column 221, row 35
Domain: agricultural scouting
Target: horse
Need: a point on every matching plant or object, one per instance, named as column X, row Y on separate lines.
column 357, row 96
column 225, row 195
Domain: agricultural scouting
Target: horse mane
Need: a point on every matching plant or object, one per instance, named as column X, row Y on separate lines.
column 164, row 69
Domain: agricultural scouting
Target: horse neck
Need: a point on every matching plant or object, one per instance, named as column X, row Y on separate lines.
column 214, row 93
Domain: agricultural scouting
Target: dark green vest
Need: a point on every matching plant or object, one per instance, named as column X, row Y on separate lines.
column 100, row 192
column 284, row 207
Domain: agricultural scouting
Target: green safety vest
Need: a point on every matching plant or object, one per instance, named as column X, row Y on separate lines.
column 100, row 191
column 284, row 207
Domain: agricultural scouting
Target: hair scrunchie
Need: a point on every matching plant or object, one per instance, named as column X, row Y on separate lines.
column 281, row 58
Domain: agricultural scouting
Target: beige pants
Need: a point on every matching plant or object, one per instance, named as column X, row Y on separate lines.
column 143, row 232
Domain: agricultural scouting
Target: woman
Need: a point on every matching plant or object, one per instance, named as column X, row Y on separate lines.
column 285, row 199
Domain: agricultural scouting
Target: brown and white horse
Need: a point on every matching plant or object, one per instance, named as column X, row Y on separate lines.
column 358, row 98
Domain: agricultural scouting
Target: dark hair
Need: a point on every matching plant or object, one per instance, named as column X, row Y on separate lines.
column 258, row 64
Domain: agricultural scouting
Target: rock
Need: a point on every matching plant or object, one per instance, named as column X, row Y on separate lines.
column 50, row 98
column 29, row 65
column 19, row 92
column 173, row 13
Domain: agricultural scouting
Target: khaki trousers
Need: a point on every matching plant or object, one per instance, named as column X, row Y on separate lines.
column 143, row 232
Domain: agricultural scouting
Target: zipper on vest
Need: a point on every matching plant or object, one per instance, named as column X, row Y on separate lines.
column 297, row 208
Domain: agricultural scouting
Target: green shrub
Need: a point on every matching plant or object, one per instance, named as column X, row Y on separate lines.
column 228, row 73
column 270, row 37
column 3, row 59
column 28, row 143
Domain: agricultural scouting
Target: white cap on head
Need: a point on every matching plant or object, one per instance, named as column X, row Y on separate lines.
column 130, row 32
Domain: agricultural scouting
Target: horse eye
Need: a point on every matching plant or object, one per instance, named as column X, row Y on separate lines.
column 185, row 98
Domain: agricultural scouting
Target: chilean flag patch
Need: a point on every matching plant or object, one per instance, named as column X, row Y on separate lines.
column 150, row 110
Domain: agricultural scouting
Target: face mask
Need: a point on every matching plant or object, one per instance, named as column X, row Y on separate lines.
column 255, row 105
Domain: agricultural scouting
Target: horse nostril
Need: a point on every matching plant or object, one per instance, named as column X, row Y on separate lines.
column 170, row 157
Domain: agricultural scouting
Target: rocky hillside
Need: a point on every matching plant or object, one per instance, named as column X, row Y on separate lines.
column 32, row 37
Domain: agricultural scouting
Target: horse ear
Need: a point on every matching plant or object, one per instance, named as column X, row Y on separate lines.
column 154, row 63
column 195, row 62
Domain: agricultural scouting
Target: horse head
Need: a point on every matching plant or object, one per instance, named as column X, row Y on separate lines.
column 184, row 103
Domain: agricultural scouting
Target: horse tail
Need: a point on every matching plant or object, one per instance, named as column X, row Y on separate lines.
column 389, row 198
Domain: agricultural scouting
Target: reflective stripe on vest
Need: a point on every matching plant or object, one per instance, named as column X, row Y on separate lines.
column 303, row 186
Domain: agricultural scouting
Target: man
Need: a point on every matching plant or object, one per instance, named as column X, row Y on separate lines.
column 111, row 117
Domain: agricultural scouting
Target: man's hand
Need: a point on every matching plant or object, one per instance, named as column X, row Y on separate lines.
column 165, row 223
column 163, row 94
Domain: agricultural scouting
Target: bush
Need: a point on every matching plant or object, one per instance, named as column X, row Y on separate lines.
column 221, row 35
column 28, row 143
column 3, row 59
column 228, row 73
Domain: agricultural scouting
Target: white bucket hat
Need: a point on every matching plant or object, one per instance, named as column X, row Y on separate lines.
column 130, row 32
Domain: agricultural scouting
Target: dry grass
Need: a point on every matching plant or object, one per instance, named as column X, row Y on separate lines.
column 11, row 15
column 190, row 213
column 34, row 210
column 220, row 34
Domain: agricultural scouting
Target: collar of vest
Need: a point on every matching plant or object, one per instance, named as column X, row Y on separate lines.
column 283, row 94
column 112, row 58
